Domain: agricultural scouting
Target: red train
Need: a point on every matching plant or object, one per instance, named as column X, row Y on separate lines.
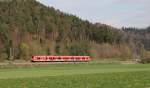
column 60, row 58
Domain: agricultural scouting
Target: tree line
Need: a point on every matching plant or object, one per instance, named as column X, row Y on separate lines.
column 29, row 28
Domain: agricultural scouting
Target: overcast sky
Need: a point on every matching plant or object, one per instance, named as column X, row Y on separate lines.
column 118, row 13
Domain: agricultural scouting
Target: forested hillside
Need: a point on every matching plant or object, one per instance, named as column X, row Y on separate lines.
column 139, row 39
column 29, row 28
column 138, row 35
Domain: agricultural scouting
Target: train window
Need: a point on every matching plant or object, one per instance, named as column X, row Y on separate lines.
column 72, row 57
column 59, row 57
column 50, row 58
column 46, row 58
column 65, row 58
column 78, row 57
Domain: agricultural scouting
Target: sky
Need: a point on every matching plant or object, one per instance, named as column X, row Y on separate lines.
column 118, row 13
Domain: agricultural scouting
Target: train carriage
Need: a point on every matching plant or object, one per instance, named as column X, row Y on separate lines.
column 60, row 58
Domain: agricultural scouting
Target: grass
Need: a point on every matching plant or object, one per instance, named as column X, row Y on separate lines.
column 77, row 76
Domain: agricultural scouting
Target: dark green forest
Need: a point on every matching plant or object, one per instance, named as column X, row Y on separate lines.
column 28, row 28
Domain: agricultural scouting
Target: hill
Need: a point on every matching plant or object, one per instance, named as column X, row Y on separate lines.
column 28, row 28
column 138, row 35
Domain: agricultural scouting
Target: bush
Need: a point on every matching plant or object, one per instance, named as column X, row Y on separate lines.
column 37, row 49
column 4, row 32
column 24, row 51
column 80, row 48
column 145, row 60
column 145, row 55
column 3, row 56
column 57, row 49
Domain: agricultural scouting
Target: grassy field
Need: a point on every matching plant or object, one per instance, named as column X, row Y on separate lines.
column 77, row 76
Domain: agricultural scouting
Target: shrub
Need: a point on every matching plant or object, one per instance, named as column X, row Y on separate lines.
column 48, row 51
column 4, row 32
column 24, row 51
column 145, row 60
column 37, row 49
column 3, row 56
column 145, row 55
column 80, row 48
column 57, row 49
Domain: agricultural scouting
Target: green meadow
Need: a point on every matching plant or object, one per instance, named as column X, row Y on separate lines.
column 77, row 76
